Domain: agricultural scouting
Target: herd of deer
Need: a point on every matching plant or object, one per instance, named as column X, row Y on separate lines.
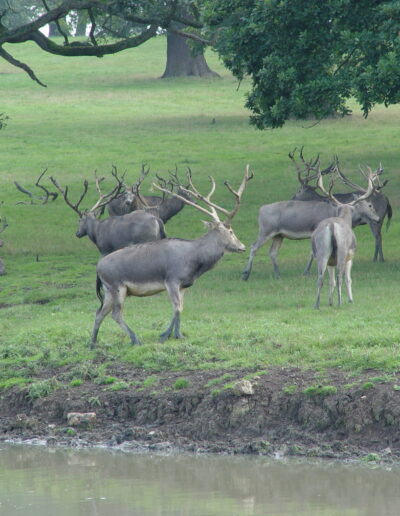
column 139, row 260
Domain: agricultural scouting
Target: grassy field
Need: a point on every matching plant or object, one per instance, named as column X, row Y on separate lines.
column 96, row 113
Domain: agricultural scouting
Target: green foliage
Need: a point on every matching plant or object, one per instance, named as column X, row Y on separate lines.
column 371, row 457
column 181, row 383
column 290, row 389
column 220, row 379
column 118, row 386
column 105, row 380
column 42, row 388
column 94, row 401
column 150, row 381
column 307, row 58
column 319, row 390
column 76, row 382
column 367, row 385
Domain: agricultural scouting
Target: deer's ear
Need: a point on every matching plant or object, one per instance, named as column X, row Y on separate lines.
column 208, row 224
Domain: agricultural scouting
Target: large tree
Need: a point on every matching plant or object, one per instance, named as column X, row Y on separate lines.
column 304, row 57
column 308, row 57
column 141, row 19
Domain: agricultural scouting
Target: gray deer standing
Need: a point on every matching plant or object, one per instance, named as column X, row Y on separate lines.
column 379, row 200
column 114, row 232
column 296, row 220
column 334, row 244
column 171, row 264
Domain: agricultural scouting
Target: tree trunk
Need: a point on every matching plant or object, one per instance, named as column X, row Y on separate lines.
column 181, row 62
column 81, row 23
column 53, row 30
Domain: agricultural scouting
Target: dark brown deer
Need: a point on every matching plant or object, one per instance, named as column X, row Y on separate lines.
column 114, row 232
column 334, row 244
column 172, row 264
column 381, row 203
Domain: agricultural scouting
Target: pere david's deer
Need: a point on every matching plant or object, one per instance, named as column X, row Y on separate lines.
column 114, row 232
column 172, row 264
column 296, row 220
column 334, row 243
column 381, row 203
column 130, row 199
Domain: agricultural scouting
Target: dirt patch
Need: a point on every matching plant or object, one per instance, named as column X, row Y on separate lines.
column 273, row 412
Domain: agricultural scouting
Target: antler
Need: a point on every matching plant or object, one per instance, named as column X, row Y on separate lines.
column 64, row 193
column 328, row 193
column 105, row 198
column 44, row 198
column 248, row 175
column 308, row 167
column 366, row 193
column 136, row 187
column 206, row 199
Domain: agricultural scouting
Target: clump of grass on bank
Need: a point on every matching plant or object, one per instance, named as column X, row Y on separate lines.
column 96, row 113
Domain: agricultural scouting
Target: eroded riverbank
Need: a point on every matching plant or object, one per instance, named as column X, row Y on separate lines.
column 275, row 412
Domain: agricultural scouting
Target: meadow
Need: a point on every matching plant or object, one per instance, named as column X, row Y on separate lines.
column 96, row 113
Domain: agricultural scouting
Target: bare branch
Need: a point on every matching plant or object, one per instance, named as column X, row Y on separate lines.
column 190, row 35
column 8, row 57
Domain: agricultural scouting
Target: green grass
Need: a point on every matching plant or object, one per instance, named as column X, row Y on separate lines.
column 97, row 113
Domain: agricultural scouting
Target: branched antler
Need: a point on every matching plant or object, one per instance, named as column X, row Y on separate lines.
column 193, row 192
column 47, row 193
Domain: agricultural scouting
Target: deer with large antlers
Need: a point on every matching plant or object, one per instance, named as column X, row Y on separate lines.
column 334, row 243
column 296, row 220
column 308, row 192
column 114, row 232
column 172, row 264
column 132, row 199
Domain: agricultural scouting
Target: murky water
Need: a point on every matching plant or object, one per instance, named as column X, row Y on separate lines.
column 37, row 481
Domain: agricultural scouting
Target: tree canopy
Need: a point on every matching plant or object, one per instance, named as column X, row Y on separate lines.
column 307, row 57
column 146, row 16
column 304, row 57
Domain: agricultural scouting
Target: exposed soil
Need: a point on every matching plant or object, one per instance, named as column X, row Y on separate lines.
column 277, row 412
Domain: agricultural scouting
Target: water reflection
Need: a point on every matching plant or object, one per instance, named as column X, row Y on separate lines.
column 39, row 481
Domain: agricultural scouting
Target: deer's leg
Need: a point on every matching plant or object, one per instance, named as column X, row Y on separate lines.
column 348, row 267
column 376, row 231
column 332, row 282
column 308, row 266
column 104, row 309
column 176, row 296
column 119, row 299
column 339, row 279
column 262, row 238
column 321, row 267
column 273, row 253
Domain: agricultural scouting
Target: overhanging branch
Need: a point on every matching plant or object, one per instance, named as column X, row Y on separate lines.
column 48, row 45
column 8, row 57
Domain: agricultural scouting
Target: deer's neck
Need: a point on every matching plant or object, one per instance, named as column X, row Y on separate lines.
column 345, row 212
column 208, row 250
column 92, row 227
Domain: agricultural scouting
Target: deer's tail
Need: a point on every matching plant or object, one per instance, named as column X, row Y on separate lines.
column 99, row 290
column 389, row 214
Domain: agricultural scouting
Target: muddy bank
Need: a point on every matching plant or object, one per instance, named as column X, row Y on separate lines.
column 271, row 412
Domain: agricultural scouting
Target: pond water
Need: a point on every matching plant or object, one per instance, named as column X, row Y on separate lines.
column 40, row 481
